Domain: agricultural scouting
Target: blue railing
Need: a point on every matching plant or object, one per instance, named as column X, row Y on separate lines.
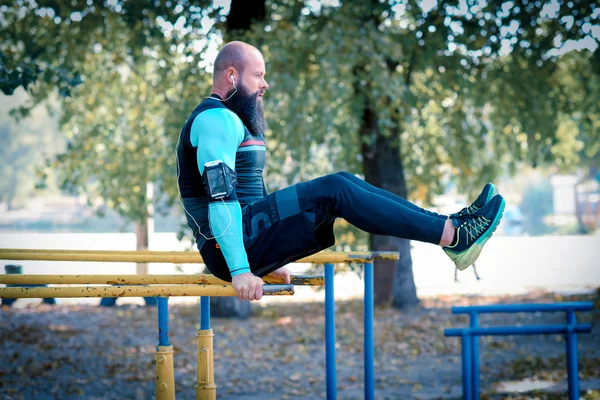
column 470, row 338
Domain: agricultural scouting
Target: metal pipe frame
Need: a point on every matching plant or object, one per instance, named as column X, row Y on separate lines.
column 516, row 308
column 165, row 372
column 368, row 340
column 572, row 356
column 174, row 279
column 206, row 388
column 519, row 330
column 135, row 291
column 174, row 257
column 330, row 364
column 369, row 346
column 195, row 285
column 470, row 336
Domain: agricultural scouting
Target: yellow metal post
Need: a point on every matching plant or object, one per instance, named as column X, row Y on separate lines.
column 165, row 376
column 206, row 388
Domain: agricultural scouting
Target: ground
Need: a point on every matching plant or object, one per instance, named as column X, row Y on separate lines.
column 85, row 352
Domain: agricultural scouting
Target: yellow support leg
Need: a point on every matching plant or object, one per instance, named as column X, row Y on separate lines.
column 206, row 388
column 165, row 377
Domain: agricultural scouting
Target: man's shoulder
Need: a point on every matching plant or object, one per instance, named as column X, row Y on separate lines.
column 219, row 117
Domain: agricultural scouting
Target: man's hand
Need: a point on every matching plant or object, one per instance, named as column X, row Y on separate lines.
column 282, row 273
column 247, row 286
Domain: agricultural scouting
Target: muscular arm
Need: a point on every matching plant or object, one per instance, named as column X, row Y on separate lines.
column 217, row 134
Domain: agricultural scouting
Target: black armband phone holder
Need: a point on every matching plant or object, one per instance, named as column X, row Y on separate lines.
column 219, row 180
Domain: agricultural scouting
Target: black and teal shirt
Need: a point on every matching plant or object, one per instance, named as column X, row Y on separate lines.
column 214, row 132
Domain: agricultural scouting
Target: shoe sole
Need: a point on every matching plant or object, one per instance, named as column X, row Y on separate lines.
column 472, row 254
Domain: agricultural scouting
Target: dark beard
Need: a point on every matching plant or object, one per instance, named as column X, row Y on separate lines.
column 248, row 108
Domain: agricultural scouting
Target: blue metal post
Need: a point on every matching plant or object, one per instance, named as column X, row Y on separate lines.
column 475, row 356
column 572, row 357
column 165, row 378
column 163, row 321
column 330, row 334
column 369, row 344
column 204, row 312
column 466, row 367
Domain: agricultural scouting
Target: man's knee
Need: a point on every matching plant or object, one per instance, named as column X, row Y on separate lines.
column 335, row 182
column 345, row 175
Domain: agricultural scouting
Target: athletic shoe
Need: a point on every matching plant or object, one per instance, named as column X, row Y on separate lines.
column 489, row 191
column 473, row 230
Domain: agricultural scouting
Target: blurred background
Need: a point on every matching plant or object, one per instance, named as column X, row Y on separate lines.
column 428, row 99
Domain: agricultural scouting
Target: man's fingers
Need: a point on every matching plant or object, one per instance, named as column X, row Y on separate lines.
column 245, row 293
column 258, row 292
column 249, row 289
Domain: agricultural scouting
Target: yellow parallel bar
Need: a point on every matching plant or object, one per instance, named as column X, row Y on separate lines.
column 174, row 279
column 134, row 291
column 176, row 257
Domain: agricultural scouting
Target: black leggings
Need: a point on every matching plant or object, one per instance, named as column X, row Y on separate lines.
column 297, row 221
column 372, row 209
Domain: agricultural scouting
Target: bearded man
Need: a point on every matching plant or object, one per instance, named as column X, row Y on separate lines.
column 243, row 233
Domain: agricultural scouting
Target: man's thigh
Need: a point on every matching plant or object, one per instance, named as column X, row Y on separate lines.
column 283, row 227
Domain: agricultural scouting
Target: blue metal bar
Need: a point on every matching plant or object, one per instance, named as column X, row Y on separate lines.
column 330, row 334
column 369, row 343
column 515, row 308
column 519, row 330
column 466, row 368
column 204, row 312
column 572, row 357
column 475, row 356
column 163, row 321
column 470, row 341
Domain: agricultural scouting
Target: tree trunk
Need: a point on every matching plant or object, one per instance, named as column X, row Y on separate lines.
column 141, row 243
column 382, row 166
column 144, row 227
column 242, row 14
column 143, row 230
column 405, row 291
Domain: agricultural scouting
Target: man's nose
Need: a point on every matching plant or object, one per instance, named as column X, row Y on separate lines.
column 265, row 84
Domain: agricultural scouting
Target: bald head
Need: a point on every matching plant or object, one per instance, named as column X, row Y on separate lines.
column 239, row 79
column 234, row 55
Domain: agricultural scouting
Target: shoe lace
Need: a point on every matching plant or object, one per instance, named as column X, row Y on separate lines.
column 474, row 226
column 467, row 210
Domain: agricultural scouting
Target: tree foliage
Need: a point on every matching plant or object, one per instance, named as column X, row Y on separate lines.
column 140, row 75
column 465, row 85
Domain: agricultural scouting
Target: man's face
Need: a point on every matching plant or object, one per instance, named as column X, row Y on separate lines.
column 247, row 101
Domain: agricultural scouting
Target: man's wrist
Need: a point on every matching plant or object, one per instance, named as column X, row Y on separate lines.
column 239, row 271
